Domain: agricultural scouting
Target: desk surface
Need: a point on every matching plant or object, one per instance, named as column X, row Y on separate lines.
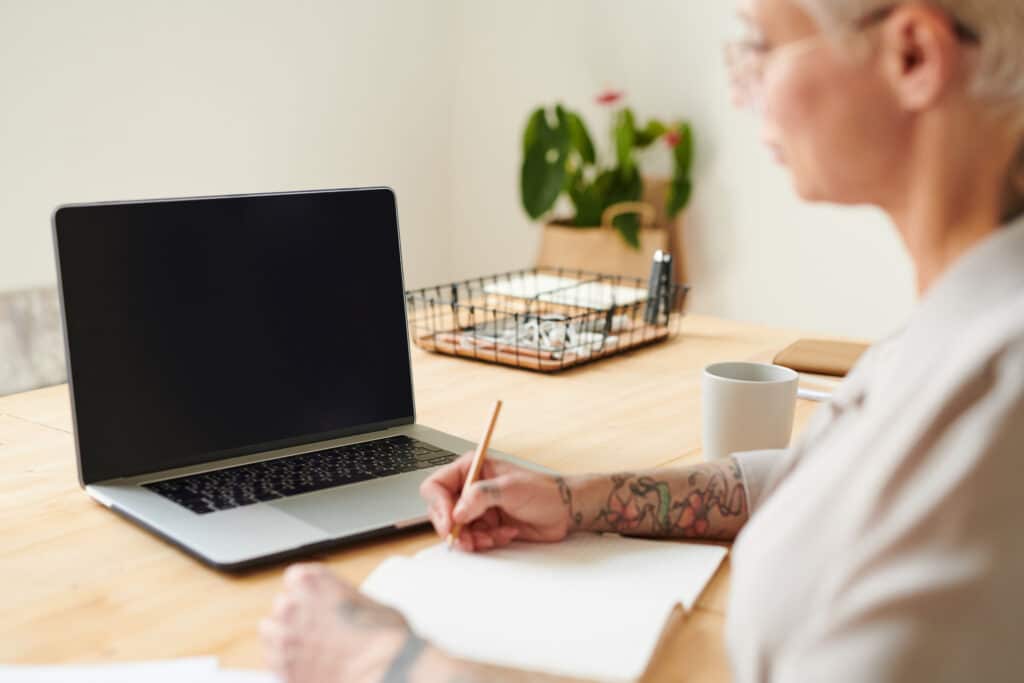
column 80, row 584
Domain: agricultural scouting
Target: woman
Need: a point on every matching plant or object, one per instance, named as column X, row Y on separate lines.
column 882, row 546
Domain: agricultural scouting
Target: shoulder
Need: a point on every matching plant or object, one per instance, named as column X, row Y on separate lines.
column 986, row 366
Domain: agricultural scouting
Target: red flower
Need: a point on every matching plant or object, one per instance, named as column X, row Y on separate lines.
column 609, row 97
column 672, row 138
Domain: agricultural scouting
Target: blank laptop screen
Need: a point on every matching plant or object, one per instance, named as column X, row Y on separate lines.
column 204, row 328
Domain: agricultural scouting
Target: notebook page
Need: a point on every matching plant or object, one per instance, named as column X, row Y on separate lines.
column 593, row 606
column 164, row 671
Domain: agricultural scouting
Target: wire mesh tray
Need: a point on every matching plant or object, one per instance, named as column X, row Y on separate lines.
column 545, row 319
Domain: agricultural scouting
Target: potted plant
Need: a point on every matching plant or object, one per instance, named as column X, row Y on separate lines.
column 614, row 225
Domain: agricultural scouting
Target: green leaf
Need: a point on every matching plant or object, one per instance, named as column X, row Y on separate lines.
column 625, row 139
column 586, row 200
column 683, row 152
column 649, row 133
column 628, row 187
column 628, row 226
column 541, row 181
column 580, row 137
column 617, row 185
column 543, row 174
column 679, row 192
column 603, row 185
column 533, row 129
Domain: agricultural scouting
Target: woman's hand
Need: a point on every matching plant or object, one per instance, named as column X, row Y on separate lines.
column 323, row 629
column 508, row 502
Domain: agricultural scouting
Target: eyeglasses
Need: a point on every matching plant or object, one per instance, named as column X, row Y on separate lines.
column 748, row 60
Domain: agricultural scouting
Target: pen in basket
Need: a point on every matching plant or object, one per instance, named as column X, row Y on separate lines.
column 651, row 306
column 665, row 290
column 659, row 289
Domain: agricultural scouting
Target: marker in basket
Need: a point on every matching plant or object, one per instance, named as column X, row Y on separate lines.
column 476, row 466
column 665, row 289
column 651, row 307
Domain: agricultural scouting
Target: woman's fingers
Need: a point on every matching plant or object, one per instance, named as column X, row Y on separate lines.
column 479, row 498
column 452, row 476
column 443, row 491
column 275, row 650
column 504, row 535
column 439, row 510
column 448, row 479
column 492, row 518
column 483, row 539
column 465, row 542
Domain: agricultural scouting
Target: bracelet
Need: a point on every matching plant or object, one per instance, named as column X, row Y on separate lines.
column 402, row 664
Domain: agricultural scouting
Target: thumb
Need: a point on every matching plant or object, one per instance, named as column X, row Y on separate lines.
column 479, row 498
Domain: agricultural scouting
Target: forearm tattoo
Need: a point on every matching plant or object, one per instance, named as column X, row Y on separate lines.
column 706, row 501
column 575, row 516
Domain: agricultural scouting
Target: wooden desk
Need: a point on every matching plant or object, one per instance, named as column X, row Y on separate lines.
column 81, row 584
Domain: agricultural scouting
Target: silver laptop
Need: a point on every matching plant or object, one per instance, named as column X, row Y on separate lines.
column 240, row 371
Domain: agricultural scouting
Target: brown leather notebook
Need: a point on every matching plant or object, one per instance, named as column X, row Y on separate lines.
column 820, row 356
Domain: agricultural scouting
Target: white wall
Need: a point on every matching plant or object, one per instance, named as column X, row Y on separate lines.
column 754, row 251
column 121, row 98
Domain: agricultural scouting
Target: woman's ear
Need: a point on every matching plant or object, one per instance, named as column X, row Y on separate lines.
column 920, row 55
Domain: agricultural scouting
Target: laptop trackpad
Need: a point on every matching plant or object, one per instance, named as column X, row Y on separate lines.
column 362, row 507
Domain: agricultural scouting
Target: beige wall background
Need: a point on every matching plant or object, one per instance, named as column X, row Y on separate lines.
column 119, row 99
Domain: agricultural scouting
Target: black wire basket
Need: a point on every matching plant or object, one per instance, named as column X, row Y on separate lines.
column 544, row 319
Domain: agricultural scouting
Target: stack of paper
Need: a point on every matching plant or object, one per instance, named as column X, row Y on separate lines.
column 593, row 606
column 599, row 295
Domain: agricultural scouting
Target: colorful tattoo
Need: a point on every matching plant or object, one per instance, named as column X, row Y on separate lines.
column 701, row 506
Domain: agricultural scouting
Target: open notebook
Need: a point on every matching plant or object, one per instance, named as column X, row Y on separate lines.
column 592, row 607
column 193, row 670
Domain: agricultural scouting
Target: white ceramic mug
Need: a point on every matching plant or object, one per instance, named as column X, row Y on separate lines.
column 746, row 407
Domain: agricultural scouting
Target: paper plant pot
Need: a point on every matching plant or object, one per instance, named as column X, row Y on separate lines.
column 602, row 249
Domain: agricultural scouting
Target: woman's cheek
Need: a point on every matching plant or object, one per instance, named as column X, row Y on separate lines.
column 792, row 130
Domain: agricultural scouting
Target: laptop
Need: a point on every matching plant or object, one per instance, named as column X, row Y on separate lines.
column 239, row 370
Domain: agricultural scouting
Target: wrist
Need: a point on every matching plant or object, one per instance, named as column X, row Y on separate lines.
column 435, row 665
column 588, row 496
column 381, row 657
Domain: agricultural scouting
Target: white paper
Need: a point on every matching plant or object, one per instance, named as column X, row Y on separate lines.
column 560, row 290
column 592, row 606
column 193, row 670
column 243, row 676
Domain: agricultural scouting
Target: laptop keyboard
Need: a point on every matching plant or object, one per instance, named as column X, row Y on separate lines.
column 289, row 476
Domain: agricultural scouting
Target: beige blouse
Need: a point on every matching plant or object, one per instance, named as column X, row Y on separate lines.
column 887, row 543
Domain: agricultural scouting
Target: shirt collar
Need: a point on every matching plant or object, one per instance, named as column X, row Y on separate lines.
column 982, row 279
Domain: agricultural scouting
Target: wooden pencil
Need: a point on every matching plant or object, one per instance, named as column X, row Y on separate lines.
column 476, row 466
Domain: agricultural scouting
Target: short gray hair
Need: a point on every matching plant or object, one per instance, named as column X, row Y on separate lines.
column 1000, row 23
